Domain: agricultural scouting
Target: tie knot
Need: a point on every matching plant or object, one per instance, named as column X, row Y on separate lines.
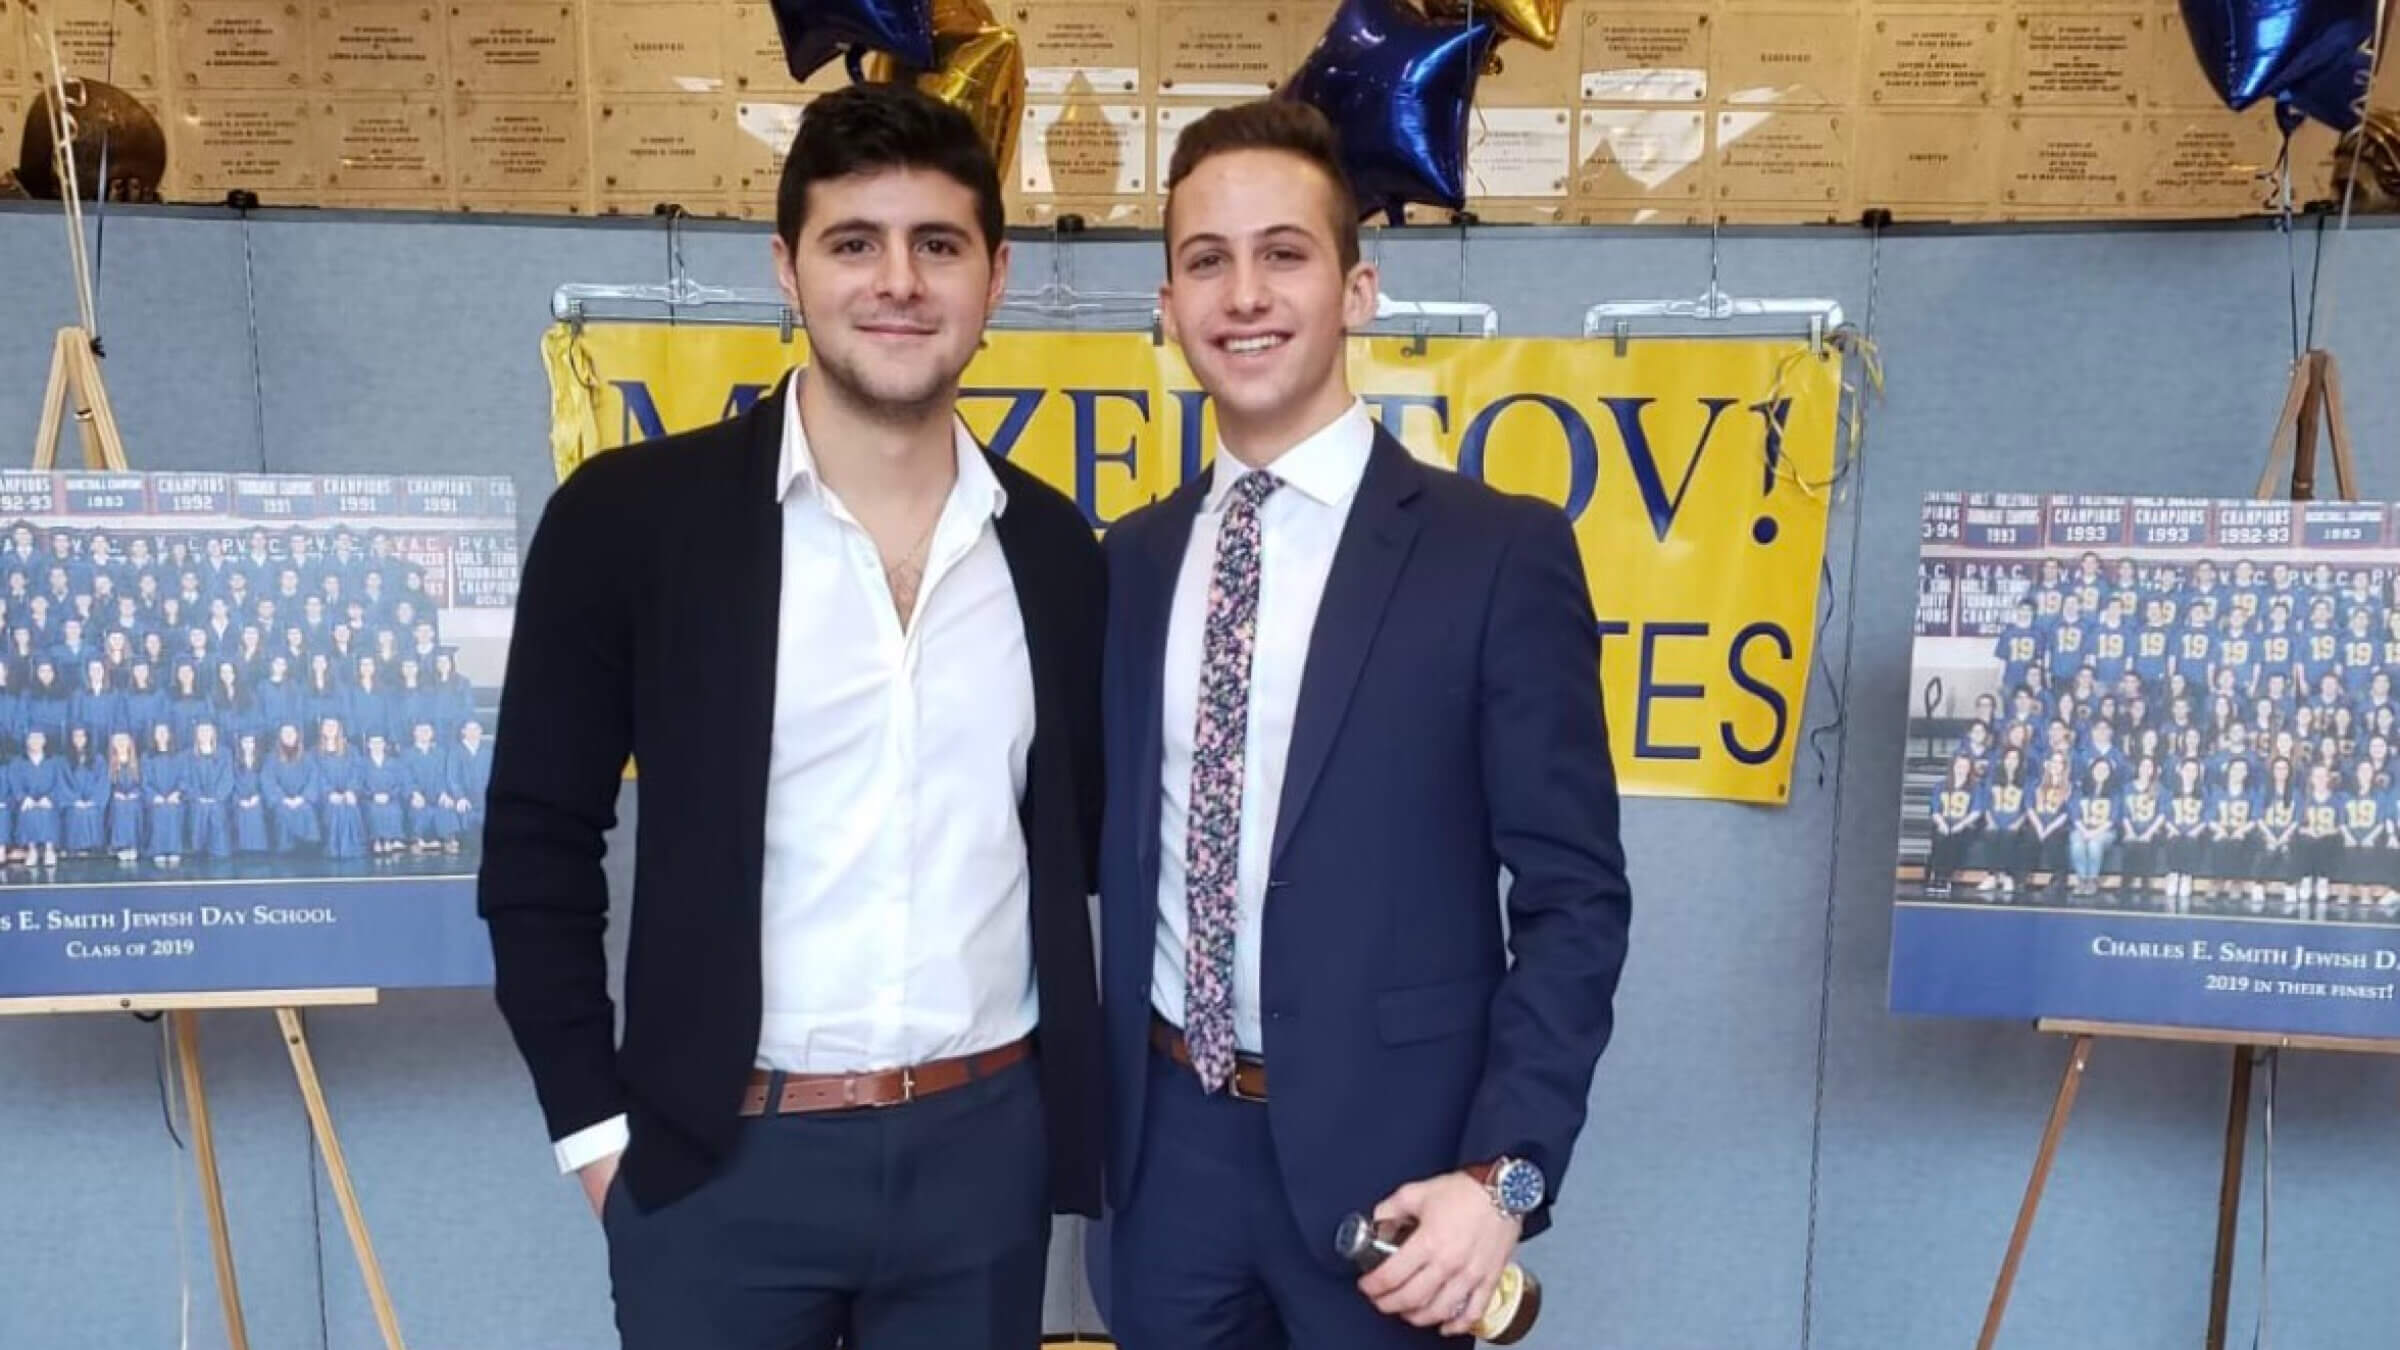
column 1252, row 489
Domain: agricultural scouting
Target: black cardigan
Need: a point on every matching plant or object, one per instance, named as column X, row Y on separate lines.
column 646, row 625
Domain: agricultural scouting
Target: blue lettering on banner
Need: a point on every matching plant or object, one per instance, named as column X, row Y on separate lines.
column 1758, row 689
column 1648, row 690
column 1194, row 404
column 642, row 421
column 1021, row 406
column 1583, row 453
column 1088, row 455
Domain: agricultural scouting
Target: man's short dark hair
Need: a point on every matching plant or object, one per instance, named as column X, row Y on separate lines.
column 1293, row 128
column 863, row 128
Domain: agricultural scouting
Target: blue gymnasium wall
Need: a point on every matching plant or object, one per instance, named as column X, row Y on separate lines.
column 1772, row 1159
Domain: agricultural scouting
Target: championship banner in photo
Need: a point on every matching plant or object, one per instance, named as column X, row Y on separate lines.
column 246, row 721
column 1693, row 470
column 2152, row 769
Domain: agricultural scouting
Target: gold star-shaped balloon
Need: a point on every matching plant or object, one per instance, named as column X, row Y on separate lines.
column 1534, row 21
column 978, row 68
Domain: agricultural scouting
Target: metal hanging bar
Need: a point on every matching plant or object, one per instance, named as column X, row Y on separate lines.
column 686, row 301
column 1742, row 316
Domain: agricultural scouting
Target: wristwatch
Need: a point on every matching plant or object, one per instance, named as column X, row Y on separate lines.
column 1515, row 1184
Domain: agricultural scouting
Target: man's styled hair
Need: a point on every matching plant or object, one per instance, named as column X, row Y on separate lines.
column 862, row 128
column 1296, row 129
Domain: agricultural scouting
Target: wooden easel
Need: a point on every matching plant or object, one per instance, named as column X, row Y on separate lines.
column 2314, row 401
column 75, row 374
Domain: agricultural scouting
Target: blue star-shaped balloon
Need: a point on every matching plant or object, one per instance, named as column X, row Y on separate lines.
column 2310, row 56
column 816, row 31
column 1397, row 87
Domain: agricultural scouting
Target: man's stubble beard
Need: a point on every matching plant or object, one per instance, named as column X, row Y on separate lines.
column 908, row 408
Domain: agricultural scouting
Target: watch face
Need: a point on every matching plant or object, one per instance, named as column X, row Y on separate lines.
column 1520, row 1187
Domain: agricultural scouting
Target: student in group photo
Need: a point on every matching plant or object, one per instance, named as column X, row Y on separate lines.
column 290, row 782
column 384, row 783
column 34, row 788
column 83, row 796
column 2047, row 821
column 2187, row 832
column 2232, row 826
column 2278, row 822
column 208, row 784
column 2144, row 824
column 470, row 763
column 163, row 772
column 338, row 783
column 2366, row 823
column 2094, row 829
column 1957, row 822
column 2318, row 852
column 432, row 802
column 247, row 796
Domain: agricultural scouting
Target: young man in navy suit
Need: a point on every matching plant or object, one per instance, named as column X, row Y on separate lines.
column 1344, row 690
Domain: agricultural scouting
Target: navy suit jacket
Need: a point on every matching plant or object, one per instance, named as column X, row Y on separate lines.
column 1449, row 725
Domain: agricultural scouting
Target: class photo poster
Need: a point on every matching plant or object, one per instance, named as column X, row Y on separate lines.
column 2152, row 764
column 246, row 724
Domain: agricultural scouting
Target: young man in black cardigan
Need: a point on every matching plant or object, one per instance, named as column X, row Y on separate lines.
column 856, row 658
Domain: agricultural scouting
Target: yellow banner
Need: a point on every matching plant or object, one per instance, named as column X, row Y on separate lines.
column 1693, row 470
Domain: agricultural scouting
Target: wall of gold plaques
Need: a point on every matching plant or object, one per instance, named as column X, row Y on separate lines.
column 1646, row 111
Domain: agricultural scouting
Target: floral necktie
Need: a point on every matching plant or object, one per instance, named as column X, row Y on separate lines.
column 1212, row 836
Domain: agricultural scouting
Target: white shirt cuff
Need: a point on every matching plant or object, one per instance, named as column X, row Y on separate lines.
column 591, row 1143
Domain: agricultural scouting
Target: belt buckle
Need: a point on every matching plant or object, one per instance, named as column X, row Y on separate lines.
column 1233, row 1087
column 908, row 1089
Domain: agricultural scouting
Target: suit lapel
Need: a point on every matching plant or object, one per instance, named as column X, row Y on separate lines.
column 756, row 557
column 1366, row 563
column 1163, row 552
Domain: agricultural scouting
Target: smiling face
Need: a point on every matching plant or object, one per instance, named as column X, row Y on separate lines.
column 893, row 279
column 1258, row 297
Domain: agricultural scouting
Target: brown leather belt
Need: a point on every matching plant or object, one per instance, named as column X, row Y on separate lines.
column 802, row 1092
column 1249, row 1081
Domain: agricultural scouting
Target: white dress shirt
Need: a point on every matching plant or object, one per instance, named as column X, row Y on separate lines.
column 894, row 891
column 1299, row 527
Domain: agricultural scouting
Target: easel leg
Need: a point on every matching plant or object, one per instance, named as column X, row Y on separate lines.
column 295, row 1039
column 2079, row 1053
column 212, row 1194
column 2229, row 1196
column 54, row 403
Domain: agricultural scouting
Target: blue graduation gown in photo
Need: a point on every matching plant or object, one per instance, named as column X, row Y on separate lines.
column 429, row 776
column 102, row 713
column 368, row 712
column 345, row 824
column 384, row 789
column 208, row 789
column 246, row 798
column 163, row 778
column 126, row 809
column 47, row 714
column 317, row 705
column 277, row 706
column 470, row 777
column 34, row 791
column 83, row 805
column 185, row 713
column 292, row 794
column 144, row 709
column 453, row 705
